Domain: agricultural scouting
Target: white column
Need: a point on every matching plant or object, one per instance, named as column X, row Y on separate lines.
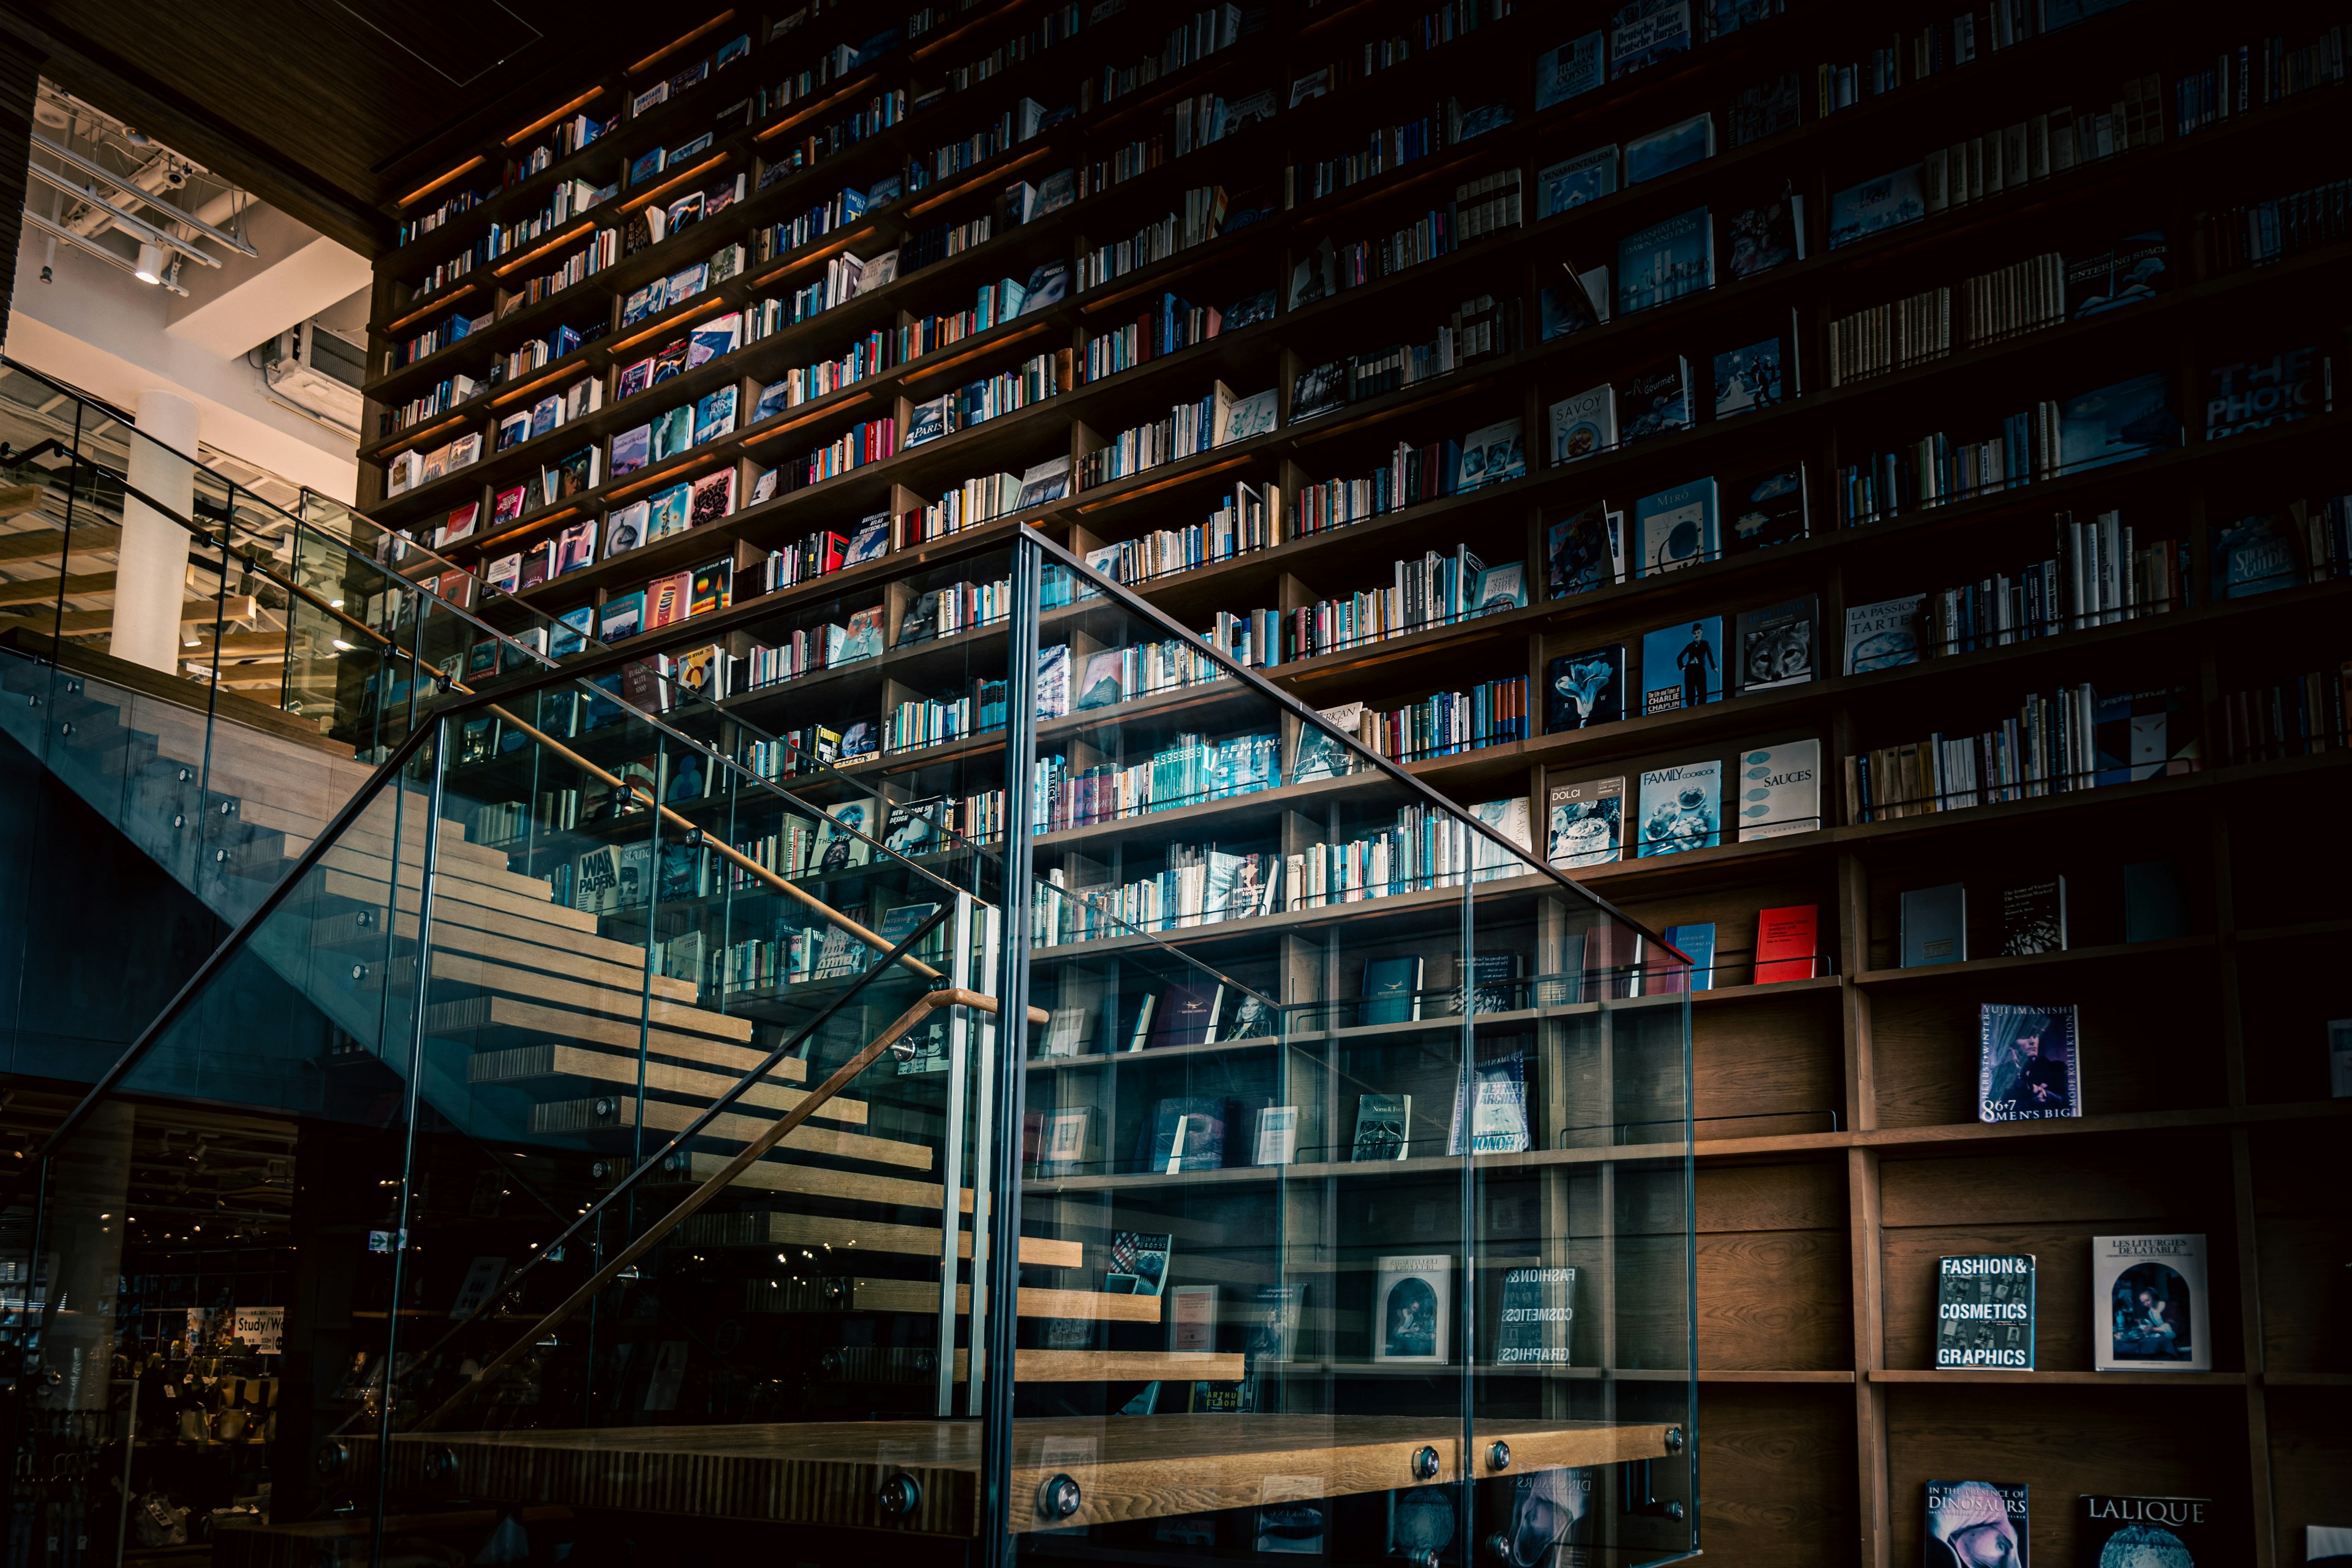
column 151, row 582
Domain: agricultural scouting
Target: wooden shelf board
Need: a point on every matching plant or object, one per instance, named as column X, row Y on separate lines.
column 2061, row 1379
column 1924, row 973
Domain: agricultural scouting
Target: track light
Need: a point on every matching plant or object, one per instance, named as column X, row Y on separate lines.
column 150, row 264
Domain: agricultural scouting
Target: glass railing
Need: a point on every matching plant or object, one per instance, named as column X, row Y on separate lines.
column 1323, row 1183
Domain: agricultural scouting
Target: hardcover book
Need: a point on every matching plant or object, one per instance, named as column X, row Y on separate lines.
column 2153, row 910
column 1185, row 1133
column 1788, row 944
column 2339, row 1058
column 1676, row 146
column 1586, row 550
column 2115, row 424
column 1984, row 1312
column 1583, row 424
column 1576, row 67
column 1775, row 645
column 2137, row 268
column 1138, row 1263
column 1318, row 390
column 1573, row 302
column 1274, row 1320
column 1276, row 1142
column 1878, row 204
column 2029, row 1064
column 1645, row 33
column 1763, row 238
column 1383, row 1127
column 1655, row 400
column 1681, row 808
column 1392, row 990
column 1586, row 688
column 1666, row 261
column 1764, row 507
column 1412, row 1309
column 2034, row 918
column 1695, row 943
column 2251, row 394
column 1192, row 1320
column 1883, row 635
column 1536, row 1323
column 1572, row 181
column 1492, row 454
column 2150, row 1311
column 1676, row 529
column 1780, row 790
column 624, row 528
column 1490, row 1107
column 1935, row 925
column 1975, row 1522
column 2257, row 555
column 1584, row 822
column 1681, row 665
column 2159, row 1532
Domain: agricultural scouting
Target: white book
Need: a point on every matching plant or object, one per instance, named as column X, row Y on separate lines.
column 1413, row 1309
column 2149, row 1308
column 1583, row 424
column 1277, row 1135
column 1780, row 790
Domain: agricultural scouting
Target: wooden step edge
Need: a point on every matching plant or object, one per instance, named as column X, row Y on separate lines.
column 1037, row 1301
column 552, row 1060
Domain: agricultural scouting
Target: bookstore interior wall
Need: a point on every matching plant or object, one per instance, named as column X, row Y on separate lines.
column 1856, row 486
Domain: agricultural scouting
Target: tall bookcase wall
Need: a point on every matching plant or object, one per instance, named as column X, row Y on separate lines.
column 1840, row 1151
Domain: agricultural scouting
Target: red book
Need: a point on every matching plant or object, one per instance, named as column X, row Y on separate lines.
column 1787, row 940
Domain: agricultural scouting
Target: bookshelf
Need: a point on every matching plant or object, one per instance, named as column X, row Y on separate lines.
column 1835, row 1114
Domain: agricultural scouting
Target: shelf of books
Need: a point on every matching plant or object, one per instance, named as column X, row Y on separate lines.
column 1859, row 491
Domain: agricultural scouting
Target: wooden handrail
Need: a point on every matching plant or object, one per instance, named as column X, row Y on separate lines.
column 695, row 1201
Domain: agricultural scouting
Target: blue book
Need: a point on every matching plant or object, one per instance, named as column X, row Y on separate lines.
column 1666, row 261
column 1646, row 32
column 1935, row 925
column 2256, row 556
column 2115, row 424
column 1882, row 202
column 1678, row 146
column 1676, row 528
column 1681, row 809
column 1576, row 67
column 572, row 631
column 1572, row 181
column 1696, row 944
column 1682, row 665
column 1392, row 987
column 1582, row 690
column 2249, row 394
column 1747, row 379
column 1763, row 507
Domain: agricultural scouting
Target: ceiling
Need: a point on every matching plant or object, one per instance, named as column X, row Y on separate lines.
column 324, row 109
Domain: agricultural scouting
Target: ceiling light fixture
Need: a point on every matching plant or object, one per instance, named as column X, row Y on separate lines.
column 150, row 264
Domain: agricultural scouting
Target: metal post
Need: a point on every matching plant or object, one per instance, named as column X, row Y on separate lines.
column 951, row 1165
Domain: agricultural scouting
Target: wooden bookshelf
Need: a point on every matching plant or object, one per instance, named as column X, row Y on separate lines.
column 1838, row 1152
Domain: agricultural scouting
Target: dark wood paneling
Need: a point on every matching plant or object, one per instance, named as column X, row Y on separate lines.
column 1774, row 1464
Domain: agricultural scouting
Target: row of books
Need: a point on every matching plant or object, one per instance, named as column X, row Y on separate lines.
column 1187, row 770
column 1215, row 420
column 1680, row 807
column 2298, row 716
column 2073, row 739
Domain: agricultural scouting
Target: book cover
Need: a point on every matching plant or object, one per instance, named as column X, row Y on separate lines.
column 1763, row 238
column 1276, row 1142
column 668, row 510
column 1696, row 944
column 2251, row 394
column 1183, row 1133
column 1655, row 400
column 624, row 528
column 621, row 616
column 2257, row 555
column 2115, row 424
column 2034, row 918
column 1676, row 528
column 1788, row 944
column 1492, row 454
column 1935, row 925
column 1318, row 390
column 1666, row 261
column 1490, row 1107
column 1681, row 665
column 1069, row 1141
column 1192, row 1320
column 1499, row 588
column 1584, row 822
column 1572, row 181
column 1583, row 425
column 1536, row 1323
column 1274, row 1323
column 1575, row 67
column 1681, row 808
column 1970, row 1523
column 1584, row 550
column 2149, row 1310
column 1775, row 644
column 1383, row 1127
column 1321, row 755
column 2137, row 268
column 1884, row 635
column 2029, row 1064
column 2129, row 1531
column 1412, row 1309
column 2339, row 1058
column 1249, row 417
column 1392, row 990
column 1873, row 206
column 1584, row 690
column 1645, row 33
column 1138, row 1263
column 1780, row 790
column 672, row 432
column 1187, row 1008
column 714, row 415
column 1043, row 482
column 871, row 541
column 1054, row 681
column 1765, row 507
column 1671, row 147
column 2153, row 906
column 1984, row 1312
column 1573, row 302
column 1749, row 378
column 1100, row 687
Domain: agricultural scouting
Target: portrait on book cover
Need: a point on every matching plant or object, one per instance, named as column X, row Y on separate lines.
column 2151, row 1308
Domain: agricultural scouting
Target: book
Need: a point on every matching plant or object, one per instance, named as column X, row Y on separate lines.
column 1765, row 507
column 2034, row 918
column 671, row 433
column 1573, row 300
column 1184, row 1133
column 1749, row 378
column 2029, row 1063
column 1576, row 67
column 2257, row 555
column 1666, row 261
column 1043, row 482
column 2134, row 269
column 2150, row 1311
column 668, row 510
column 624, row 528
column 1583, row 425
column 1655, row 400
column 2326, row 1544
column 1069, row 1141
column 1187, row 1010
column 1676, row 528
column 2159, row 1532
column 1383, row 1127
column 1276, row 1142
column 1788, row 944
column 1878, row 204
column 1492, row 454
column 1138, row 1263
column 1984, row 1312
column 1582, row 690
column 1192, row 1320
column 1934, row 925
column 1392, row 990
column 1274, row 1324
column 1780, row 790
column 1681, row 665
column 1321, row 755
column 1495, row 976
column 1645, row 33
column 1697, row 944
column 1884, row 635
column 1973, row 1522
column 871, row 541
column 1490, row 1107
column 1535, row 1324
column 1248, row 417
column 1572, row 181
column 1774, row 645
column 2252, row 394
column 1584, row 822
column 1318, row 390
column 1053, row 692
column 1499, row 588
column 2339, row 1058
column 1412, row 1306
column 1586, row 550
column 1762, row 238
column 714, row 415
column 2153, row 907
column 1671, row 147
column 621, row 616
column 2115, row 424
column 1680, row 808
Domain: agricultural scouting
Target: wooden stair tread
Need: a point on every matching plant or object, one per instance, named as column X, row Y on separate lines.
column 365, row 885
column 770, row 1228
column 477, row 1013
column 559, row 1116
column 1037, row 1301
column 775, row 1175
column 555, row 1059
column 621, row 999
column 458, row 929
